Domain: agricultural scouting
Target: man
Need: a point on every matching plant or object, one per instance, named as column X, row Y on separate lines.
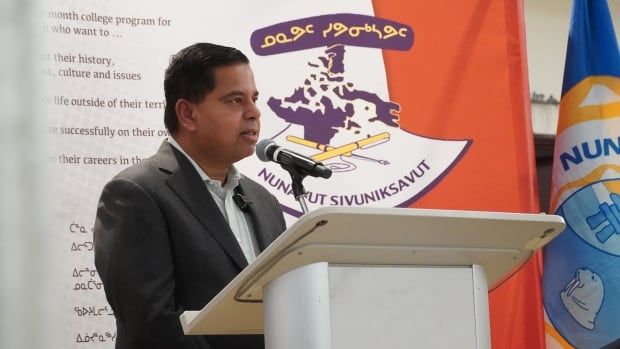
column 169, row 234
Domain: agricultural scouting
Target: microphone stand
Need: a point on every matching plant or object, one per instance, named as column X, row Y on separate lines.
column 298, row 188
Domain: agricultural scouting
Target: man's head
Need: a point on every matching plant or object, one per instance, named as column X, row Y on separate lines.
column 211, row 104
column 190, row 75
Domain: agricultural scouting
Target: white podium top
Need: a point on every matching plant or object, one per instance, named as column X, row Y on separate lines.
column 499, row 242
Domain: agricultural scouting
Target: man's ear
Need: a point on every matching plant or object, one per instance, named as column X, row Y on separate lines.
column 184, row 110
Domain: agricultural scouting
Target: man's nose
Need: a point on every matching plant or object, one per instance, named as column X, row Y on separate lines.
column 252, row 111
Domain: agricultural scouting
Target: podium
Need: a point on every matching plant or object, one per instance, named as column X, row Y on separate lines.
column 347, row 277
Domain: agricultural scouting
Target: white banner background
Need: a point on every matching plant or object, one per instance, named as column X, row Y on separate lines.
column 127, row 127
column 104, row 64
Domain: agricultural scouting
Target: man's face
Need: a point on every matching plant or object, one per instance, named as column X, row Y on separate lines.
column 227, row 120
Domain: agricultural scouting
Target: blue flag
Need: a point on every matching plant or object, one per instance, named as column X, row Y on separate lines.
column 581, row 277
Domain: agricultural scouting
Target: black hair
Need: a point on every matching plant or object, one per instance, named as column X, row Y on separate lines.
column 190, row 75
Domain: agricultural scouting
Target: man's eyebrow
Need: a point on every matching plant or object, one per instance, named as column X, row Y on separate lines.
column 237, row 93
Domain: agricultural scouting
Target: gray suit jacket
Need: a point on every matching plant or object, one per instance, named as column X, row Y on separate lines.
column 162, row 246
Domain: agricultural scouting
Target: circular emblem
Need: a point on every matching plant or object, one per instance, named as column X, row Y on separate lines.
column 582, row 263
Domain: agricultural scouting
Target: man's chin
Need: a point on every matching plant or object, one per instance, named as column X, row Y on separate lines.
column 245, row 153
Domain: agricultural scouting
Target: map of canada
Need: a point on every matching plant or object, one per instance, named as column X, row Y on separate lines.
column 326, row 104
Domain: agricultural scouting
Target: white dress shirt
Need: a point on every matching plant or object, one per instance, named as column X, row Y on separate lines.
column 239, row 222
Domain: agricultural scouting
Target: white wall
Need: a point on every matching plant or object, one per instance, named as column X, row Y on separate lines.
column 546, row 26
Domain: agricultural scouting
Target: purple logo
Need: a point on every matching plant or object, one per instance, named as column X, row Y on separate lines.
column 331, row 102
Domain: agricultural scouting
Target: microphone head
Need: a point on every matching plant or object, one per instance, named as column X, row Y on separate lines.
column 261, row 149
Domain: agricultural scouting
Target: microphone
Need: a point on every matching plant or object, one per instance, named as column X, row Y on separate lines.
column 241, row 200
column 267, row 150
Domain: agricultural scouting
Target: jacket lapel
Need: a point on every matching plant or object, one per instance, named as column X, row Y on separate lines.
column 187, row 184
column 262, row 232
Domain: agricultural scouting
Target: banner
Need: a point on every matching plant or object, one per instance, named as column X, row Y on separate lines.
column 581, row 280
column 466, row 77
column 410, row 103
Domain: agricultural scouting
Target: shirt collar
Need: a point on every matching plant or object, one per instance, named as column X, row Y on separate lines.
column 232, row 177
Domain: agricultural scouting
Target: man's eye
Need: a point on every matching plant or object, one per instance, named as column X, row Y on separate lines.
column 237, row 100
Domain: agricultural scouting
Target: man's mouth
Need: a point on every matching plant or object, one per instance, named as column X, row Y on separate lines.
column 250, row 132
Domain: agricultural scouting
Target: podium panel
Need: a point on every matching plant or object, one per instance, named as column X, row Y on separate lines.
column 372, row 307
